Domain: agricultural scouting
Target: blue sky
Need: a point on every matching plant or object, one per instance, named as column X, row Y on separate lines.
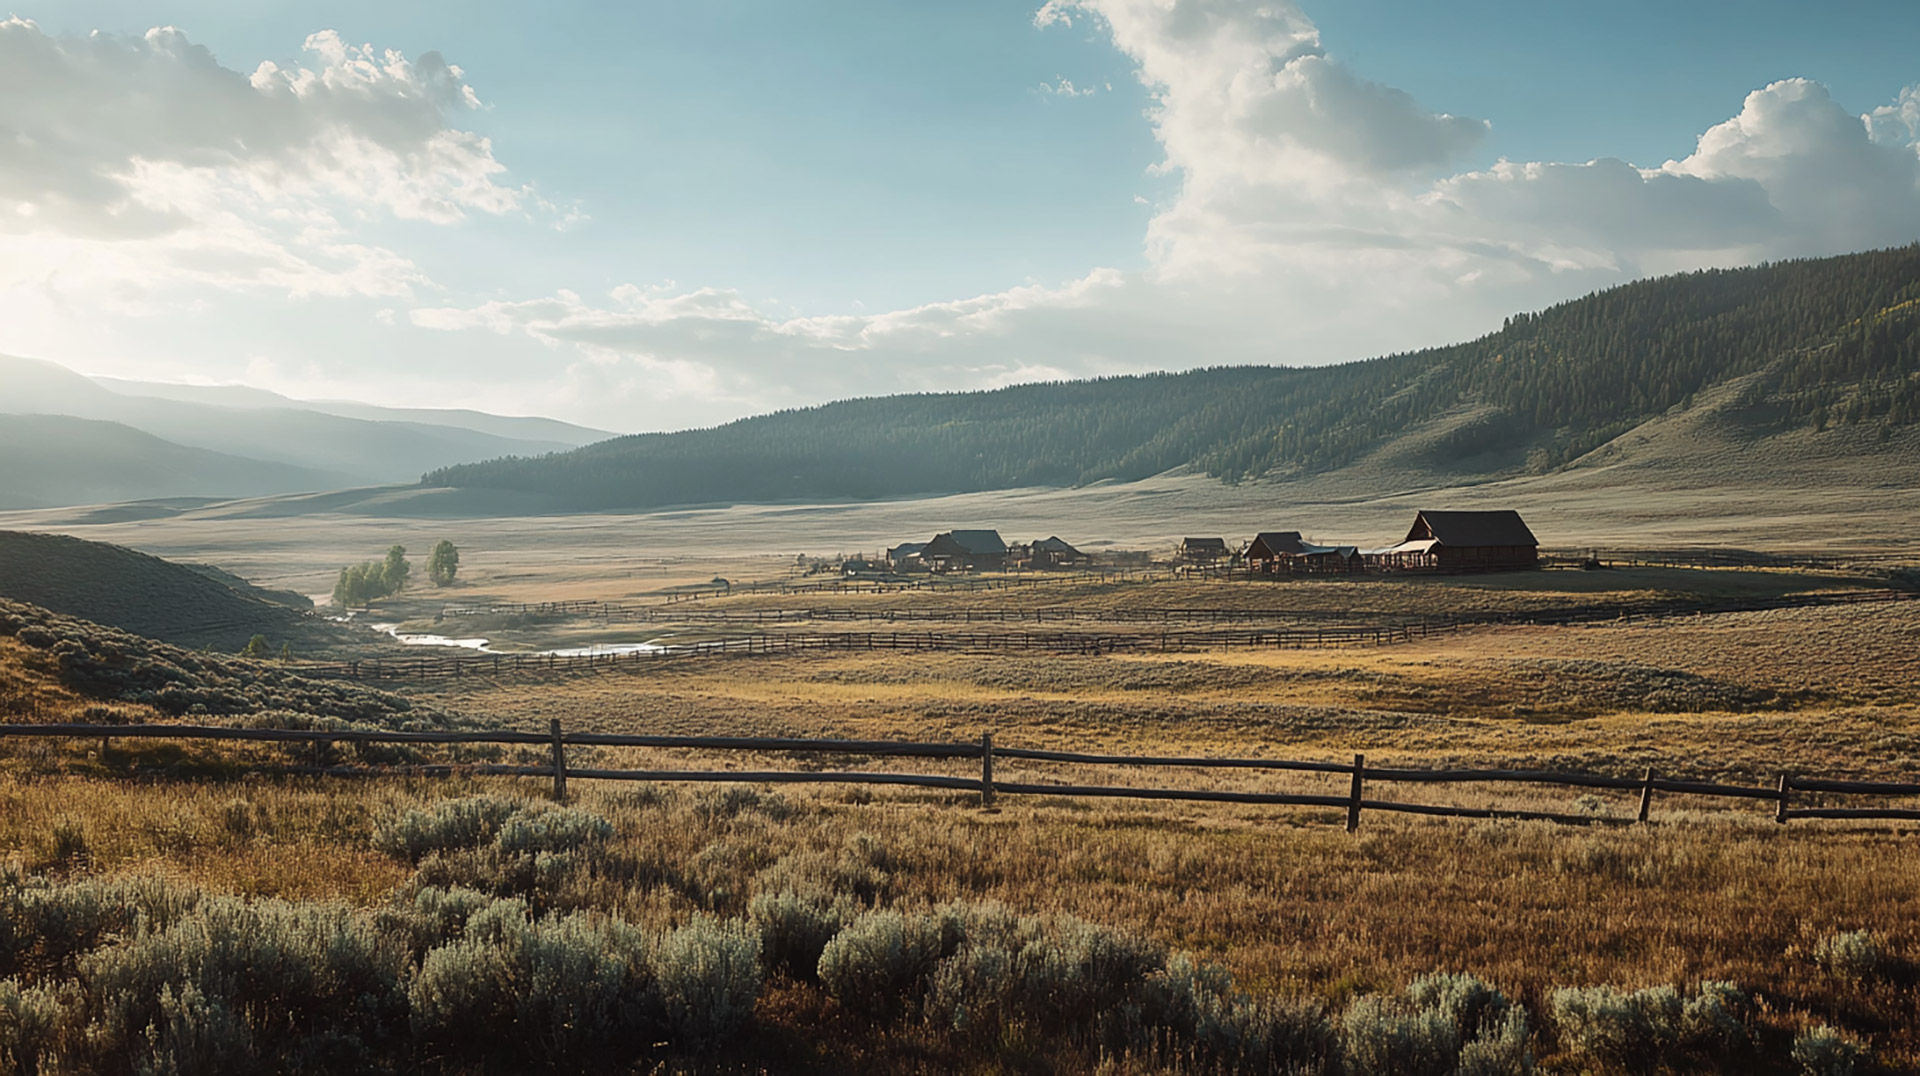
column 681, row 213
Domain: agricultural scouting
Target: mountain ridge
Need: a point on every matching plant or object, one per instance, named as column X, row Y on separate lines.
column 1820, row 342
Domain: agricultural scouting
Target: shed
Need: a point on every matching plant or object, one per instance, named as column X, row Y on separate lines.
column 1491, row 541
column 960, row 550
column 907, row 556
column 1054, row 552
column 1203, row 550
column 1285, row 552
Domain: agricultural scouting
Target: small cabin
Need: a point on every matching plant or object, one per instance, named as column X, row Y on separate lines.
column 1286, row 553
column 906, row 557
column 972, row 550
column 1054, row 552
column 1203, row 550
column 1491, row 541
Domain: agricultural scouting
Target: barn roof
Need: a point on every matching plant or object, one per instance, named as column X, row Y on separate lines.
column 1500, row 527
column 970, row 543
column 1275, row 543
column 1204, row 544
column 1055, row 544
column 906, row 549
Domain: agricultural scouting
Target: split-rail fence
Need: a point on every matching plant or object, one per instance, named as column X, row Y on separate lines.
column 555, row 741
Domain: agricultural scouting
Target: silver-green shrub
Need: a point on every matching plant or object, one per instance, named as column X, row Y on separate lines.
column 28, row 1019
column 555, row 991
column 1193, row 1010
column 470, row 822
column 235, row 983
column 1851, row 954
column 1644, row 1029
column 879, row 965
column 709, row 979
column 1444, row 1023
column 1384, row 1036
column 795, row 928
column 46, row 927
column 1827, row 1051
column 560, row 830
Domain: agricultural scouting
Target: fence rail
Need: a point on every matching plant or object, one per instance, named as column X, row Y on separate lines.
column 1355, row 802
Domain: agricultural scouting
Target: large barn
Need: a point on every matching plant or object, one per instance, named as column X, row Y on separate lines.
column 966, row 550
column 1496, row 541
column 1284, row 552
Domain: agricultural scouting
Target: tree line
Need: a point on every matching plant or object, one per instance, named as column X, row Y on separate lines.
column 362, row 583
column 1818, row 342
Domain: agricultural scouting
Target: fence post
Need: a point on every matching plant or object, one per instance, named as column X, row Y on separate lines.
column 1646, row 795
column 1780, row 810
column 559, row 762
column 1353, row 797
column 986, row 769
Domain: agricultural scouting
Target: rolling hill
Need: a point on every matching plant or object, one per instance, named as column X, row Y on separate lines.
column 1776, row 350
column 188, row 605
column 229, row 441
column 58, row 460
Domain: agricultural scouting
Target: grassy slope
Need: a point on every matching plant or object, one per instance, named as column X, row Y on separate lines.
column 189, row 605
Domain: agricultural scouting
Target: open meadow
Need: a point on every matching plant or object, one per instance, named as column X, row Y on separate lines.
column 1332, row 939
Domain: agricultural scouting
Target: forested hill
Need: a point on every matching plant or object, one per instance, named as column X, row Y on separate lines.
column 1832, row 340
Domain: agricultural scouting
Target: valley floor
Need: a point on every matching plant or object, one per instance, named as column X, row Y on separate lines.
column 1283, row 897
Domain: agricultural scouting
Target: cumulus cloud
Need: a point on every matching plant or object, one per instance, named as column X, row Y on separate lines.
column 90, row 122
column 1320, row 215
column 138, row 173
column 1317, row 219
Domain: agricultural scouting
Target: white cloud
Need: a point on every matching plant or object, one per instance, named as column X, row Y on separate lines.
column 1320, row 215
column 139, row 174
column 1316, row 220
column 1064, row 87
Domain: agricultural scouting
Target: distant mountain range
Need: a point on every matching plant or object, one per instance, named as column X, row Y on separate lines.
column 1823, row 349
column 69, row 439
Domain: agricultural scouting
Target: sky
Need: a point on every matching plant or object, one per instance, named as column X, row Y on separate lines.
column 654, row 216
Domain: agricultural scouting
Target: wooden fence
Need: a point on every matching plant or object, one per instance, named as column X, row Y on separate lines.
column 1354, row 802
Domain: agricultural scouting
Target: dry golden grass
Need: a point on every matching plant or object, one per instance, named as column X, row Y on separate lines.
column 1289, row 902
column 1283, row 896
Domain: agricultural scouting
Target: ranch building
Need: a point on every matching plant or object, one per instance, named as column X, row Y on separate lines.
column 1285, row 553
column 1054, row 552
column 975, row 550
column 1203, row 550
column 1496, row 541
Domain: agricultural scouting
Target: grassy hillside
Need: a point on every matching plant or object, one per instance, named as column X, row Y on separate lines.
column 56, row 668
column 188, row 605
column 57, row 459
column 282, row 445
column 1820, row 343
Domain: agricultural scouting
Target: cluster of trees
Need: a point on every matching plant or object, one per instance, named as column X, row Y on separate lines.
column 1832, row 339
column 361, row 583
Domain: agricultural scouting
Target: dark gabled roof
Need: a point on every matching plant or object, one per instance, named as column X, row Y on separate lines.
column 1500, row 527
column 1204, row 545
column 1054, row 544
column 1274, row 544
column 966, row 543
column 906, row 549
